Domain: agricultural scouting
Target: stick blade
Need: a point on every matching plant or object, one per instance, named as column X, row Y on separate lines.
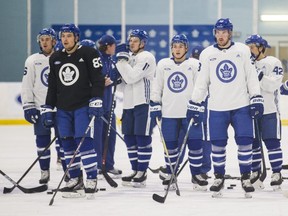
column 158, row 198
column 38, row 189
column 7, row 190
column 109, row 180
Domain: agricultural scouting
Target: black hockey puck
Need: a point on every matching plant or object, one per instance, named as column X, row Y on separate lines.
column 49, row 192
column 102, row 189
column 232, row 185
column 229, row 187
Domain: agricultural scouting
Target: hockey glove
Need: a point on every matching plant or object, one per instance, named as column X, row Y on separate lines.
column 95, row 107
column 155, row 110
column 114, row 74
column 122, row 52
column 47, row 116
column 256, row 106
column 31, row 114
column 195, row 111
column 284, row 88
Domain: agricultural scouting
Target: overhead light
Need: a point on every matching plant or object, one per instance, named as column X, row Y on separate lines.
column 275, row 18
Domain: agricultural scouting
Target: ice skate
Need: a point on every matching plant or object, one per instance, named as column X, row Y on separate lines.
column 59, row 164
column 166, row 182
column 255, row 180
column 45, row 177
column 74, row 188
column 217, row 186
column 246, row 185
column 126, row 180
column 139, row 179
column 276, row 181
column 90, row 188
column 115, row 173
column 199, row 183
column 163, row 174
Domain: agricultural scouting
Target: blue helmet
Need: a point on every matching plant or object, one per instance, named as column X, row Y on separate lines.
column 257, row 40
column 196, row 51
column 47, row 31
column 87, row 42
column 70, row 28
column 141, row 34
column 223, row 24
column 58, row 46
column 181, row 38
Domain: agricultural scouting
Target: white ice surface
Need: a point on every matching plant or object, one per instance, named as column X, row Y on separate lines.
column 18, row 151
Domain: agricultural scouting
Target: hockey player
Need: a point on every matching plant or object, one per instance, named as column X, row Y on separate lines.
column 33, row 93
column 75, row 88
column 137, row 71
column 174, row 82
column 206, row 162
column 234, row 99
column 107, row 46
column 270, row 75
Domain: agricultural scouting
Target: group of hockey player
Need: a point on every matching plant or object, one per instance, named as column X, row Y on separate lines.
column 194, row 101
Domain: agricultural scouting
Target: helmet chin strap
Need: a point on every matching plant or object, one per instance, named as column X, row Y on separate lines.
column 181, row 56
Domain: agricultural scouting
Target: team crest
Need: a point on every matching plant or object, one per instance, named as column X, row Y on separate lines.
column 177, row 82
column 68, row 74
column 44, row 76
column 226, row 71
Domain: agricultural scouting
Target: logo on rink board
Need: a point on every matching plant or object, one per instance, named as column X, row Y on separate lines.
column 177, row 82
column 68, row 74
column 226, row 71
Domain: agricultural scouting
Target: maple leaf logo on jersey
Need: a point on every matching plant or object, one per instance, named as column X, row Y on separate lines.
column 68, row 74
column 226, row 71
column 177, row 82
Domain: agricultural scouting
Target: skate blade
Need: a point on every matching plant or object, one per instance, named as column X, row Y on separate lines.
column 276, row 187
column 115, row 176
column 139, row 184
column 248, row 195
column 90, row 196
column 172, row 187
column 74, row 194
column 197, row 187
column 218, row 194
column 258, row 185
column 127, row 184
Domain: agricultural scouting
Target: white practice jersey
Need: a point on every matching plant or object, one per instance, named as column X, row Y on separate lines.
column 35, row 80
column 228, row 75
column 137, row 75
column 173, row 86
column 270, row 83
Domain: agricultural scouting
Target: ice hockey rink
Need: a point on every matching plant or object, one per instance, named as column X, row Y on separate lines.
column 18, row 152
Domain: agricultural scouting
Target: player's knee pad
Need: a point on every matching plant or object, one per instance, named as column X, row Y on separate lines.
column 130, row 140
column 244, row 140
column 42, row 140
column 68, row 143
column 194, row 144
column 272, row 144
column 219, row 143
column 143, row 141
column 87, row 144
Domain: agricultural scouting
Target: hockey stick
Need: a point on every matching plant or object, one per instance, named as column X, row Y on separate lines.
column 25, row 190
column 161, row 199
column 155, row 171
column 110, row 181
column 9, row 190
column 91, row 125
column 168, row 158
column 114, row 129
column 264, row 172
